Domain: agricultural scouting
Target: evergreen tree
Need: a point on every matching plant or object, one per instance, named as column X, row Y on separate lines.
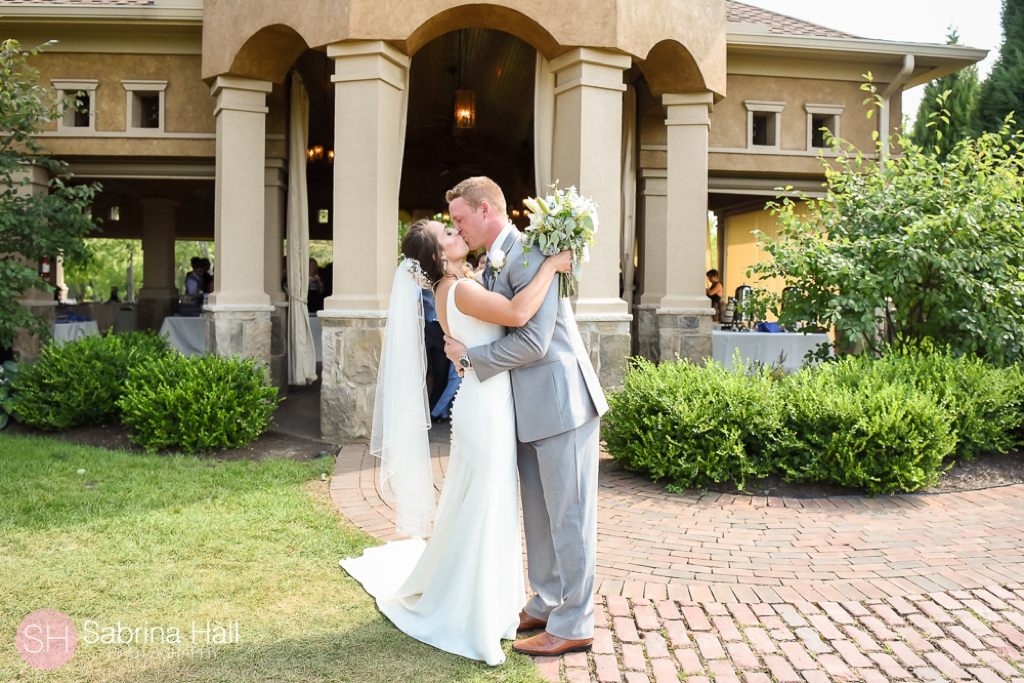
column 962, row 88
column 1003, row 91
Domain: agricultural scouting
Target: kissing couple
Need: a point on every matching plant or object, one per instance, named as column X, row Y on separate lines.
column 528, row 410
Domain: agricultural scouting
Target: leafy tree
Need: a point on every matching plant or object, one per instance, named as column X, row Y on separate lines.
column 106, row 266
column 960, row 91
column 1002, row 93
column 33, row 225
column 912, row 249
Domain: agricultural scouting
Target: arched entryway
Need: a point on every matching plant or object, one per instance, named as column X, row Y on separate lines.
column 495, row 72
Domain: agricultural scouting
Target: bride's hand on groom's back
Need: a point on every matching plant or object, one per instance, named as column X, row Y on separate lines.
column 562, row 261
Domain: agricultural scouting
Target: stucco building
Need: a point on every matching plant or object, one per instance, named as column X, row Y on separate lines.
column 660, row 110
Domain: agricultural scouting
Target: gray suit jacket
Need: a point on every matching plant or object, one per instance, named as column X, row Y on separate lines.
column 554, row 385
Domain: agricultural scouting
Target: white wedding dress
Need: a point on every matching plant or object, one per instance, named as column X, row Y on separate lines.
column 462, row 591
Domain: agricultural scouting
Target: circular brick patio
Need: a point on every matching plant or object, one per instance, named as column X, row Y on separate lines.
column 723, row 587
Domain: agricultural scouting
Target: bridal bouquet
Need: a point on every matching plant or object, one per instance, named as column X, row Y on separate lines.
column 562, row 220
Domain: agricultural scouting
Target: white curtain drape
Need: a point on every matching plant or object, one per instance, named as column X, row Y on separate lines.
column 628, row 191
column 543, row 124
column 302, row 354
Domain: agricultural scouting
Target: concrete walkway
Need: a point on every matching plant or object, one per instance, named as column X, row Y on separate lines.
column 780, row 590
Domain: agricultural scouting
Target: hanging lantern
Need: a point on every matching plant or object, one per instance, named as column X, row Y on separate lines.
column 465, row 109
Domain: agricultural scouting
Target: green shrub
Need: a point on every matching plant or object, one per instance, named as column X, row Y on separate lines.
column 984, row 401
column 694, row 425
column 875, row 435
column 197, row 404
column 8, row 372
column 79, row 383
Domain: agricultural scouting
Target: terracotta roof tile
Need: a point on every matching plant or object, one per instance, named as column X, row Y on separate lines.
column 778, row 23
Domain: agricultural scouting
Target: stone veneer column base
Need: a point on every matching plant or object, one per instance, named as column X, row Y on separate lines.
column 239, row 329
column 608, row 341
column 27, row 346
column 279, row 346
column 648, row 336
column 685, row 332
column 352, row 342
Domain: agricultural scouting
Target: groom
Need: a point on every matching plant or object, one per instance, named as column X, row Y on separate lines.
column 558, row 404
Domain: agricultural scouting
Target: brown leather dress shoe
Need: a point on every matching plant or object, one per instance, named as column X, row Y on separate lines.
column 530, row 623
column 546, row 645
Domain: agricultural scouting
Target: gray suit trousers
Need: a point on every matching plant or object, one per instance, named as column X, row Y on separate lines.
column 558, row 485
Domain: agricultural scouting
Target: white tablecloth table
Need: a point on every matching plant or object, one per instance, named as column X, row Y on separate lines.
column 314, row 327
column 766, row 347
column 187, row 335
column 69, row 332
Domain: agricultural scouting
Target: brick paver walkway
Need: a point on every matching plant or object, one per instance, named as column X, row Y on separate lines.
column 727, row 588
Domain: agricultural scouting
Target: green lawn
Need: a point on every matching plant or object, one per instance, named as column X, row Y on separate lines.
column 167, row 541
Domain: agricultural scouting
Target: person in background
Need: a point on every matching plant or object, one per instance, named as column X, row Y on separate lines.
column 207, row 276
column 714, row 292
column 195, row 283
column 315, row 293
column 437, row 362
column 442, row 411
column 326, row 281
column 483, row 273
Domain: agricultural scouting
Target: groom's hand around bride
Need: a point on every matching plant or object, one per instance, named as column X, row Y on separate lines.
column 453, row 348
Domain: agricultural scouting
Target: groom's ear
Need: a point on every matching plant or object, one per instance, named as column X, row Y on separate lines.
column 485, row 208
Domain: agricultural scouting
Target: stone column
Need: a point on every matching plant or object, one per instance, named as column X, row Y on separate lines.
column 685, row 314
column 588, row 154
column 653, row 208
column 39, row 302
column 158, row 297
column 239, row 308
column 368, row 83
column 274, row 197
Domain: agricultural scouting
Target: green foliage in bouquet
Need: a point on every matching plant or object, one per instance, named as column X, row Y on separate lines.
column 562, row 220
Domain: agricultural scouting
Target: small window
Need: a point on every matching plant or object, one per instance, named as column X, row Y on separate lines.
column 83, row 111
column 80, row 114
column 146, row 112
column 145, row 109
column 764, row 121
column 764, row 129
column 819, row 117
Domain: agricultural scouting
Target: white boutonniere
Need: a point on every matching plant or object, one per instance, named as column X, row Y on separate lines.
column 497, row 261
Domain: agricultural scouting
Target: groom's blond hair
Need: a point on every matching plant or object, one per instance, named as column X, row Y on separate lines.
column 476, row 190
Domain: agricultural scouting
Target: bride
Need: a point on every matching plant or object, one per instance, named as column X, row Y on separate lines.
column 463, row 590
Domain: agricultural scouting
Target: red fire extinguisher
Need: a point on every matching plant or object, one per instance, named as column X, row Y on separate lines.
column 44, row 268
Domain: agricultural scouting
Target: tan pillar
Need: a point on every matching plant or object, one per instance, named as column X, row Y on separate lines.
column 275, row 189
column 158, row 297
column 653, row 212
column 239, row 308
column 588, row 154
column 685, row 314
column 274, row 195
column 39, row 302
column 368, row 84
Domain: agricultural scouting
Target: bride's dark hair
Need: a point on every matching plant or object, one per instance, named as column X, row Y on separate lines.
column 422, row 245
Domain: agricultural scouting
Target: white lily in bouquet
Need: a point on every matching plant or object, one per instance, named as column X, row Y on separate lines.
column 562, row 220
